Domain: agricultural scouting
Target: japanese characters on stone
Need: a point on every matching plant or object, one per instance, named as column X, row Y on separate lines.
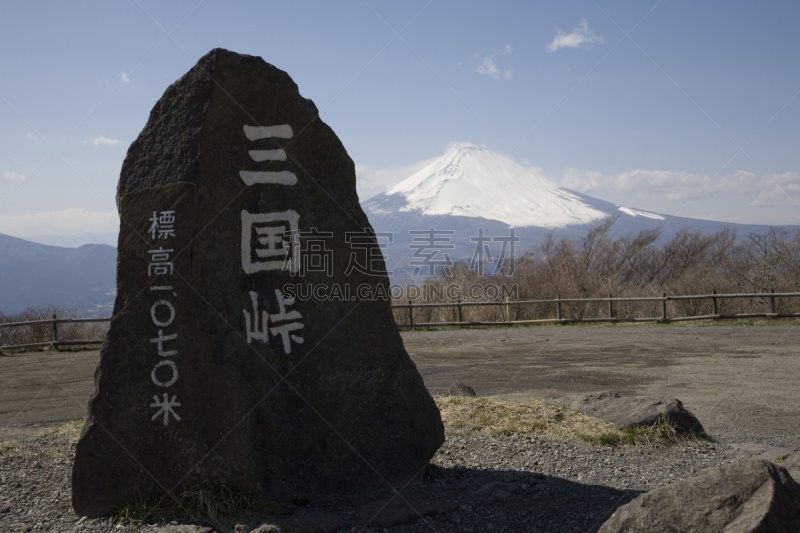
column 271, row 242
column 164, row 372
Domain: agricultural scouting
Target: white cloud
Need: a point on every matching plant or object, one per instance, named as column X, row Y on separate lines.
column 455, row 145
column 678, row 186
column 488, row 68
column 372, row 181
column 63, row 222
column 8, row 174
column 781, row 189
column 30, row 136
column 581, row 37
column 123, row 76
column 102, row 141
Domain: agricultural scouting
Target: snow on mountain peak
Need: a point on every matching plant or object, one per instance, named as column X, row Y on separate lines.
column 473, row 181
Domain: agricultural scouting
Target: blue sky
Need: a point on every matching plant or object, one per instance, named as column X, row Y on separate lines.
column 677, row 107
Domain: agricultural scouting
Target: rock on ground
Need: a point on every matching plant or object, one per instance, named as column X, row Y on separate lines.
column 625, row 411
column 461, row 389
column 748, row 495
column 792, row 465
column 219, row 363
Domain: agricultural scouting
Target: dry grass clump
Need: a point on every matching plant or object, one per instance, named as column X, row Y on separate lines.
column 52, row 443
column 206, row 502
column 488, row 416
column 70, row 430
column 11, row 448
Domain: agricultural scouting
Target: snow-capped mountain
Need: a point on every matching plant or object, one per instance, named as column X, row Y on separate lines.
column 472, row 187
column 473, row 181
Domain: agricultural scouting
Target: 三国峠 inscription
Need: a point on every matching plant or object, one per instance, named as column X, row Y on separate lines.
column 212, row 369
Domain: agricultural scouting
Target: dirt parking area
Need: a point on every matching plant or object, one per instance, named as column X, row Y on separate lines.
column 743, row 382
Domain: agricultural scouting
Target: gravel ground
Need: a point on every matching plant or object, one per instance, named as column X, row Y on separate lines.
column 475, row 483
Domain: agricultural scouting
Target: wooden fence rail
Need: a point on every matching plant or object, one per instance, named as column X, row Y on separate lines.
column 506, row 305
column 55, row 343
column 505, row 309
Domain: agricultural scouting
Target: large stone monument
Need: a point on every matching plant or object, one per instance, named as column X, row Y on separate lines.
column 251, row 343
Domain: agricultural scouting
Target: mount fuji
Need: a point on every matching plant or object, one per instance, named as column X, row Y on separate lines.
column 472, row 187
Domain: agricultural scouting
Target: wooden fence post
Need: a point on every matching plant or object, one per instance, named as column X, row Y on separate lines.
column 772, row 302
column 55, row 333
column 664, row 307
column 410, row 313
column 610, row 307
column 460, row 318
column 558, row 307
column 714, row 303
column 508, row 311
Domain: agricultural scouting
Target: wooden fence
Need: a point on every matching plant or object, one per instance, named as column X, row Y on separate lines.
column 506, row 306
column 54, row 342
column 505, row 309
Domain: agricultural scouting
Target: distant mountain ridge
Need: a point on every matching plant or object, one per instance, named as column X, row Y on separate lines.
column 34, row 274
column 472, row 187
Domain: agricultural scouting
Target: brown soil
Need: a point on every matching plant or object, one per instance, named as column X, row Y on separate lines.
column 741, row 381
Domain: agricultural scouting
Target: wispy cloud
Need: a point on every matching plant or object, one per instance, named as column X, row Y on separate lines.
column 63, row 222
column 123, row 76
column 8, row 174
column 30, row 136
column 489, row 68
column 677, row 186
column 782, row 189
column 371, row 181
column 102, row 141
column 581, row 37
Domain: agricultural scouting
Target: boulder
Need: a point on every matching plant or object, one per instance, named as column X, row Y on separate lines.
column 792, row 465
column 625, row 411
column 252, row 342
column 460, row 389
column 748, row 495
column 760, row 451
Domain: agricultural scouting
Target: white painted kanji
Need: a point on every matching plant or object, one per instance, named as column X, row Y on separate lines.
column 166, row 408
column 260, row 177
column 160, row 341
column 281, row 131
column 285, row 330
column 173, row 378
column 254, row 330
column 162, row 225
column 259, row 329
column 269, row 250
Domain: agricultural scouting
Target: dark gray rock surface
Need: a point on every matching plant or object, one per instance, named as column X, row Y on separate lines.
column 748, row 495
column 211, row 370
column 627, row 411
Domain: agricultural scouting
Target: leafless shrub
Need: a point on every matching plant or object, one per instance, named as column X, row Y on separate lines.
column 636, row 265
column 39, row 333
